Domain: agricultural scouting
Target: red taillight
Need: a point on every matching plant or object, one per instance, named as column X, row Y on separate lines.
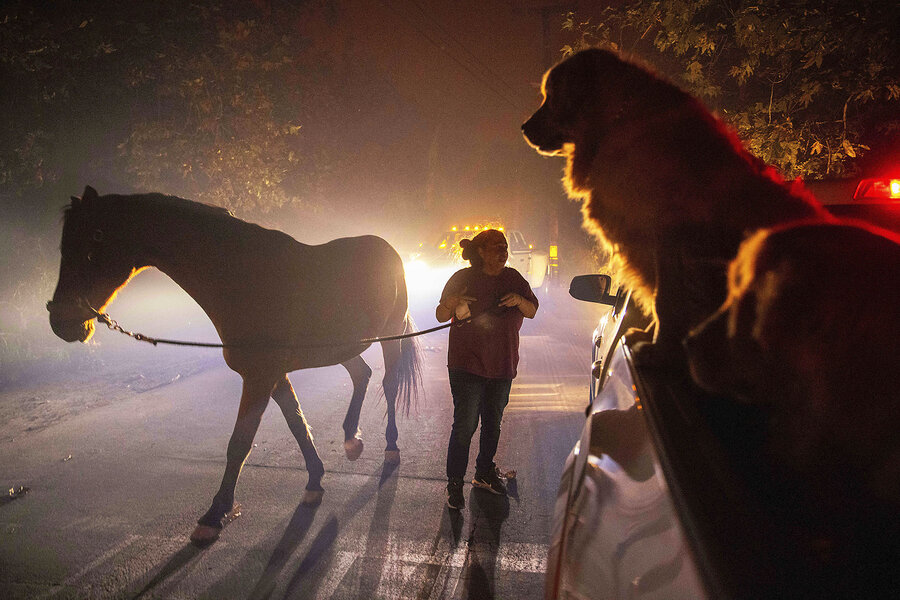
column 878, row 189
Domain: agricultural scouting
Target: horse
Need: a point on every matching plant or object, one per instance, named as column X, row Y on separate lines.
column 278, row 305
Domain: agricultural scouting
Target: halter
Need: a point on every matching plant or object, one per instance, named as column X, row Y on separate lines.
column 71, row 311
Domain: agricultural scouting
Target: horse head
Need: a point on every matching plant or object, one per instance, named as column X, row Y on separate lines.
column 92, row 269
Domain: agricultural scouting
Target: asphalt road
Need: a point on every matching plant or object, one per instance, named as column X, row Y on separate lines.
column 116, row 485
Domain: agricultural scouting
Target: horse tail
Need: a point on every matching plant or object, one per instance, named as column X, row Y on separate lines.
column 409, row 368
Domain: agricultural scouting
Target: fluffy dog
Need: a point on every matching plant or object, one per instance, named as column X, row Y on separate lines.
column 666, row 188
column 810, row 331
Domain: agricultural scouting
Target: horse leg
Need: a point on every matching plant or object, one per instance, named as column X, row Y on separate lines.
column 254, row 398
column 359, row 374
column 284, row 396
column 391, row 383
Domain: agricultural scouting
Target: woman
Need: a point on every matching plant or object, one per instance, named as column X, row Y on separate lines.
column 483, row 355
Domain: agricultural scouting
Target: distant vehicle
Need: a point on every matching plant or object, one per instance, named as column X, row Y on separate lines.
column 658, row 498
column 431, row 265
column 873, row 199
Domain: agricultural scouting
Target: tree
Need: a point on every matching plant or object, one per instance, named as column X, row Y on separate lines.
column 207, row 99
column 809, row 85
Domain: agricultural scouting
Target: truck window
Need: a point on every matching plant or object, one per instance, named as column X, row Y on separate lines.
column 517, row 242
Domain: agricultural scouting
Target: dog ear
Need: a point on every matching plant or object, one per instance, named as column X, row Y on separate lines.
column 598, row 82
column 578, row 80
column 778, row 313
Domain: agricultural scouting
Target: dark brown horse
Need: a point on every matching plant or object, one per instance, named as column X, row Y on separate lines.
column 278, row 306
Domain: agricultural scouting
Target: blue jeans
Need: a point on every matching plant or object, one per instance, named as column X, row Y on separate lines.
column 473, row 397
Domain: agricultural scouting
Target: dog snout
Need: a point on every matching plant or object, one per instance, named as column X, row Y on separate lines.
column 542, row 133
column 528, row 129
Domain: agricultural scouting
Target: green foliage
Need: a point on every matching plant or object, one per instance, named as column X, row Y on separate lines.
column 209, row 100
column 809, row 86
column 230, row 119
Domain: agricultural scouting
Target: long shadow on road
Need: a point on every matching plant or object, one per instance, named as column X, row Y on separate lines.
column 314, row 567
column 293, row 535
column 175, row 564
column 440, row 575
column 436, row 572
column 479, row 576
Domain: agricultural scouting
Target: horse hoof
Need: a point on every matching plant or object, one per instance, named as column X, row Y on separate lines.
column 392, row 457
column 312, row 497
column 353, row 447
column 204, row 535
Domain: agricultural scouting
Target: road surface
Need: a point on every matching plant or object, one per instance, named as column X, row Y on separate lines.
column 120, row 463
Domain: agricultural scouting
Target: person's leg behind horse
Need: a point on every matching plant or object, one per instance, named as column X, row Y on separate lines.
column 284, row 395
column 496, row 397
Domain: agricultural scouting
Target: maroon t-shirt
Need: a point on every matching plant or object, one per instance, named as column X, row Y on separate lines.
column 489, row 344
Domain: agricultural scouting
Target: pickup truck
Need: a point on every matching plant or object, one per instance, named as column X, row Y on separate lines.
column 432, row 265
column 663, row 495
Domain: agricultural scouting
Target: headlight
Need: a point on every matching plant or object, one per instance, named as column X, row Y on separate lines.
column 425, row 279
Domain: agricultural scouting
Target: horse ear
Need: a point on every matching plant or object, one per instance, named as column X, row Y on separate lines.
column 89, row 193
column 75, row 201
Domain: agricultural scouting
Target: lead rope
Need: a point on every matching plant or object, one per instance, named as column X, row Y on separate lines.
column 113, row 325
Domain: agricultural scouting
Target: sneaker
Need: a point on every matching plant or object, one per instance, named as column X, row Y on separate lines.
column 490, row 482
column 455, row 499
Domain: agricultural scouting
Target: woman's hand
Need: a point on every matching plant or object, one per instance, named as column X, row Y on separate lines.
column 526, row 307
column 511, row 299
column 453, row 304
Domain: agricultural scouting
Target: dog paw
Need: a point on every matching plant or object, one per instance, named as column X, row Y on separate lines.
column 635, row 335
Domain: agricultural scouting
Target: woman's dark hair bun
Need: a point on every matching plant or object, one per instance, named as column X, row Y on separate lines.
column 468, row 248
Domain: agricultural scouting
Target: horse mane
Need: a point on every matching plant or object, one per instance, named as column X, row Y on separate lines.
column 161, row 201
column 192, row 206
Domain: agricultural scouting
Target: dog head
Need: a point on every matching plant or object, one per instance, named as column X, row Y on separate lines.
column 585, row 95
column 725, row 352
column 805, row 303
column 574, row 91
column 810, row 332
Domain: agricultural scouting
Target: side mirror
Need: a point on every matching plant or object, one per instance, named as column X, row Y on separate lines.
column 593, row 288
